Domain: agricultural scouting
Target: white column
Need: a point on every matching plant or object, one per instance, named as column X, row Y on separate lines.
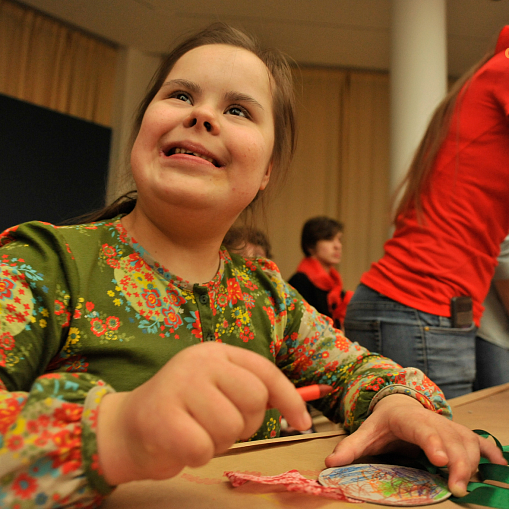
column 418, row 75
column 134, row 72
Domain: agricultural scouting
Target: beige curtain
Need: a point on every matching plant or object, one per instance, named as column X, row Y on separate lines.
column 364, row 189
column 311, row 188
column 47, row 63
column 341, row 168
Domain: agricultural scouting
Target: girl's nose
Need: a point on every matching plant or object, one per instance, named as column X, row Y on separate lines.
column 202, row 119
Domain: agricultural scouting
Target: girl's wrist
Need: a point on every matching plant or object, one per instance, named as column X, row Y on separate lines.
column 113, row 448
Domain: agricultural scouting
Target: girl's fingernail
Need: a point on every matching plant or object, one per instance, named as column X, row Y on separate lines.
column 459, row 489
column 440, row 452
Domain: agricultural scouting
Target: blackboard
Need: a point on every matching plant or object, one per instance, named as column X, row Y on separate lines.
column 53, row 167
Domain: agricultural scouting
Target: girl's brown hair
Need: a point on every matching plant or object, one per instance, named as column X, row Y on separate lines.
column 417, row 177
column 283, row 103
column 238, row 237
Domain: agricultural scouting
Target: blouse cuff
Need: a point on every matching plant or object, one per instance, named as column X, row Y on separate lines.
column 363, row 397
column 48, row 445
column 91, row 464
column 413, row 393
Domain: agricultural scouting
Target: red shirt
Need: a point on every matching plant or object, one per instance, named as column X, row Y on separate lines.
column 453, row 250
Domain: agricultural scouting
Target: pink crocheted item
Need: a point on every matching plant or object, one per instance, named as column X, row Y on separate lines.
column 293, row 481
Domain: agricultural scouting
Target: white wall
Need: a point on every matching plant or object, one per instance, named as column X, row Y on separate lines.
column 134, row 72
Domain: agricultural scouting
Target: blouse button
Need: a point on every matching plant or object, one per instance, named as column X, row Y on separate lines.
column 204, row 299
column 210, row 336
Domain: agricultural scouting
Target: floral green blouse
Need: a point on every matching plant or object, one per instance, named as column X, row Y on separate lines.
column 85, row 310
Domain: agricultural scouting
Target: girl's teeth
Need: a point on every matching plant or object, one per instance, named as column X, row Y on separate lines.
column 184, row 151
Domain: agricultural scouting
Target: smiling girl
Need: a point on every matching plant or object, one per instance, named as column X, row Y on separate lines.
column 136, row 345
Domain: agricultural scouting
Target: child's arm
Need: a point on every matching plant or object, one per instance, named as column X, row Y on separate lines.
column 201, row 402
column 385, row 405
column 47, row 443
column 398, row 421
column 47, row 420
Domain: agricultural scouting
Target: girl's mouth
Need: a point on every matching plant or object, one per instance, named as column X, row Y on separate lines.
column 179, row 150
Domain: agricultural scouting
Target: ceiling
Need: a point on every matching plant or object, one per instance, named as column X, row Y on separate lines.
column 339, row 33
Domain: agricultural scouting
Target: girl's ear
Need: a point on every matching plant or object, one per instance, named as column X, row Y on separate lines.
column 266, row 177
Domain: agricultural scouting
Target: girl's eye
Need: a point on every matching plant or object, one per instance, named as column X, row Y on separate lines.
column 181, row 96
column 238, row 111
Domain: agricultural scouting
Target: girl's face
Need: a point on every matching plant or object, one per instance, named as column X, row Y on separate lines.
column 206, row 138
column 328, row 251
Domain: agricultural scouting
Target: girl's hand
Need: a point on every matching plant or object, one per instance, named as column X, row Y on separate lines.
column 398, row 421
column 203, row 400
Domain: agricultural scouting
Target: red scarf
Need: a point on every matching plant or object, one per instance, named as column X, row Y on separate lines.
column 330, row 282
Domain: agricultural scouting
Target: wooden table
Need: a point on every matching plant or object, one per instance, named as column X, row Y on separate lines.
column 206, row 487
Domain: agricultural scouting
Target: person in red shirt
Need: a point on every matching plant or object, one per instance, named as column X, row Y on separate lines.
column 449, row 225
column 317, row 279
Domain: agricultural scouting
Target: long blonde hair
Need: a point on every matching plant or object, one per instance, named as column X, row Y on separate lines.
column 418, row 175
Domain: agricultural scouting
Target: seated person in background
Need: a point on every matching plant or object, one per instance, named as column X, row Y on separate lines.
column 317, row 279
column 248, row 242
column 252, row 243
column 492, row 341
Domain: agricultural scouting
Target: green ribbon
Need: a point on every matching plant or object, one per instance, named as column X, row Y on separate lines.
column 491, row 472
column 484, row 494
column 503, row 448
column 479, row 492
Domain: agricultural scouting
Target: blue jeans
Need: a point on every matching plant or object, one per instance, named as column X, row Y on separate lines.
column 492, row 363
column 413, row 338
